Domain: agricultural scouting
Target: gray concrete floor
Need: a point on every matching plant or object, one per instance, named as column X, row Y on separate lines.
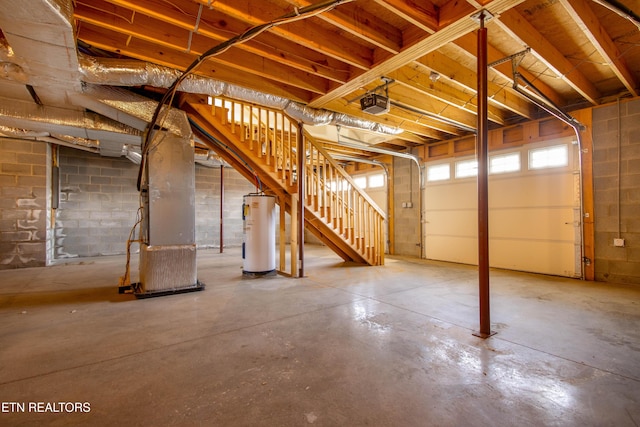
column 345, row 346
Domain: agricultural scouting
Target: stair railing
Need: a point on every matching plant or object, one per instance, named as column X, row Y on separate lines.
column 330, row 192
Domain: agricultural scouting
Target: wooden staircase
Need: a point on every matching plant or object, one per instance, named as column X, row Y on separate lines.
column 262, row 142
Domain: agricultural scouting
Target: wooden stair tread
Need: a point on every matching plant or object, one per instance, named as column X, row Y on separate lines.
column 273, row 166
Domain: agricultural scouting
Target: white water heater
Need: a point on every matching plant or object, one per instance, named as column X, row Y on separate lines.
column 259, row 234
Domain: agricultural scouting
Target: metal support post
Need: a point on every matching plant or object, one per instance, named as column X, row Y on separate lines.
column 301, row 196
column 221, row 208
column 483, row 193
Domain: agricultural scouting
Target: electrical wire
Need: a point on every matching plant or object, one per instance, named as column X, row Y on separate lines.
column 108, row 12
column 250, row 33
column 126, row 278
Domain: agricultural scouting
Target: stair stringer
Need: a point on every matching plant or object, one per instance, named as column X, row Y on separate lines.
column 253, row 161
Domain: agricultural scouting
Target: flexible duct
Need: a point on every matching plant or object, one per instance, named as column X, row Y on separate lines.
column 65, row 140
column 25, row 115
column 129, row 108
column 123, row 72
column 21, row 133
column 130, row 72
column 12, row 71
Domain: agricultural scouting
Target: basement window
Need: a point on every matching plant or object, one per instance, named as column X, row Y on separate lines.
column 549, row 157
column 466, row 168
column 376, row 181
column 504, row 163
column 440, row 172
column 360, row 181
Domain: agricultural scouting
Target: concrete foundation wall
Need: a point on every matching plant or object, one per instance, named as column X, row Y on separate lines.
column 407, row 219
column 23, row 203
column 104, row 200
column 616, row 135
column 98, row 204
column 208, row 206
column 98, row 201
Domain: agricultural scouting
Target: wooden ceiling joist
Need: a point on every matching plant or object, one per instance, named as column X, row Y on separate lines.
column 171, row 38
column 150, row 52
column 305, row 33
column 469, row 44
column 578, row 52
column 422, row 84
column 428, row 44
column 519, row 28
column 588, row 22
column 501, row 96
column 158, row 25
column 360, row 23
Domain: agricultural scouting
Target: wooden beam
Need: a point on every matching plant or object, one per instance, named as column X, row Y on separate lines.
column 293, row 239
column 360, row 23
column 145, row 51
column 585, row 117
column 467, row 43
column 452, row 71
column 396, row 117
column 416, row 80
column 588, row 22
column 172, row 37
column 453, row 10
column 306, row 33
column 218, row 30
column 501, row 138
column 423, row 15
column 397, row 144
column 428, row 44
column 520, row 29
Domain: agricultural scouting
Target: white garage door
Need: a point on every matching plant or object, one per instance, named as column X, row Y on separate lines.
column 534, row 209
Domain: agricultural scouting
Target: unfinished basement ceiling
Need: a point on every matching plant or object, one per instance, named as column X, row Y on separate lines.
column 577, row 53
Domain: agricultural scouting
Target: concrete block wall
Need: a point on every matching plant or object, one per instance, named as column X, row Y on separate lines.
column 98, row 204
column 208, row 206
column 23, row 203
column 616, row 134
column 407, row 220
column 99, row 201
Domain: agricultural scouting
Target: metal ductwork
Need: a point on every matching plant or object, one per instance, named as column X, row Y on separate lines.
column 68, row 141
column 53, row 120
column 27, row 27
column 30, row 45
column 131, row 109
column 119, row 72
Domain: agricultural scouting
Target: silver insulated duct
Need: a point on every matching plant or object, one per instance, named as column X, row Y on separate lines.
column 119, row 72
